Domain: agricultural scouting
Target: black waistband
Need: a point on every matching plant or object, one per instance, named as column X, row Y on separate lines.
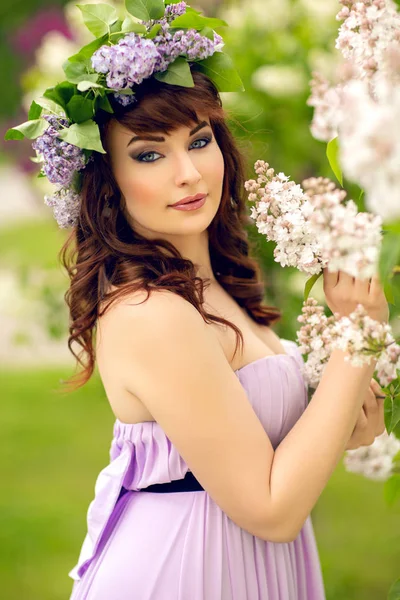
column 188, row 484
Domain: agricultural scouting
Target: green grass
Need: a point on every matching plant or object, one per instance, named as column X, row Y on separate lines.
column 53, row 447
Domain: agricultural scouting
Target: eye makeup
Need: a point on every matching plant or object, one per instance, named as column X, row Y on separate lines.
column 139, row 157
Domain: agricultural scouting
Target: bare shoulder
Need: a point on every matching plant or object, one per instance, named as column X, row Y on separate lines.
column 173, row 363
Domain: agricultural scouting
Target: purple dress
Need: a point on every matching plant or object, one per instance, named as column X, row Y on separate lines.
column 182, row 546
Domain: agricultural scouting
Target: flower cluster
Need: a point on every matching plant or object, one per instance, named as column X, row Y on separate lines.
column 358, row 335
column 312, row 227
column 375, row 461
column 363, row 108
column 370, row 145
column 314, row 340
column 282, row 213
column 350, row 240
column 126, row 63
column 60, row 159
column 134, row 58
column 66, row 206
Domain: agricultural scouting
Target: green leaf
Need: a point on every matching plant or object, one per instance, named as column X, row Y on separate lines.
column 153, row 31
column 220, row 69
column 394, row 592
column 98, row 17
column 391, row 490
column 208, row 33
column 332, row 152
column 35, row 111
column 310, row 284
column 391, row 413
column 29, row 129
column 394, row 227
column 80, row 109
column 145, row 10
column 389, row 256
column 78, row 71
column 83, row 135
column 116, row 27
column 193, row 20
column 84, row 86
column 178, row 73
column 87, row 51
column 129, row 25
column 389, row 294
column 103, row 103
column 61, row 94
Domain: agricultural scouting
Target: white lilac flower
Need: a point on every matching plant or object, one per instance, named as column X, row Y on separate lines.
column 66, row 207
column 312, row 228
column 370, row 146
column 363, row 109
column 361, row 337
column 358, row 335
column 282, row 213
column 350, row 240
column 326, row 101
column 369, row 28
column 375, row 461
column 61, row 160
column 388, row 364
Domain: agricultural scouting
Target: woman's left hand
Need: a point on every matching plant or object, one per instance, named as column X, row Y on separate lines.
column 371, row 422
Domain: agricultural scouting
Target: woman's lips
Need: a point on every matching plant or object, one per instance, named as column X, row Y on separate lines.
column 194, row 205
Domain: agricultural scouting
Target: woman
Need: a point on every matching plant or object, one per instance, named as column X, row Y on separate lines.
column 213, row 470
column 217, row 459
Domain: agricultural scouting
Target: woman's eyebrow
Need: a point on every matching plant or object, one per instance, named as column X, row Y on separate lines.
column 154, row 138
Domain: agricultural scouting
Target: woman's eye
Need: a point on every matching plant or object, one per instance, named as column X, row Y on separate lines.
column 141, row 157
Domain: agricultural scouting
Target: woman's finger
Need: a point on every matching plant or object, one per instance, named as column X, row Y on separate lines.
column 330, row 279
column 371, row 409
column 380, row 400
column 375, row 288
column 361, row 287
column 376, row 388
column 360, row 431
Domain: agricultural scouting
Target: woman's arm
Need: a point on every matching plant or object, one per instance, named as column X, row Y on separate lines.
column 306, row 458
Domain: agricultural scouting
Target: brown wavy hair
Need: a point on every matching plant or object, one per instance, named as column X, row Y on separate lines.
column 104, row 250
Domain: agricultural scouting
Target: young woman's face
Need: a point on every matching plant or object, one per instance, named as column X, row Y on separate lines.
column 153, row 174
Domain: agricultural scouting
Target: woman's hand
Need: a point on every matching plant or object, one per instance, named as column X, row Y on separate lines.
column 371, row 422
column 343, row 293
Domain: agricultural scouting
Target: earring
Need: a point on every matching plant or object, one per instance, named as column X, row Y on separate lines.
column 107, row 208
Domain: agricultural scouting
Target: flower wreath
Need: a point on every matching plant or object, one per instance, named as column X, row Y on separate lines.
column 163, row 39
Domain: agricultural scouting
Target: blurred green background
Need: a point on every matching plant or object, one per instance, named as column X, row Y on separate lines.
column 54, row 445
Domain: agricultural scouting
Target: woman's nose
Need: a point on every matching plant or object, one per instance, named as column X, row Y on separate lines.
column 186, row 171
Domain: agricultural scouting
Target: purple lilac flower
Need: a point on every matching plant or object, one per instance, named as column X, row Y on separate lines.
column 172, row 11
column 189, row 43
column 66, row 207
column 61, row 159
column 126, row 63
column 125, row 99
column 194, row 45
